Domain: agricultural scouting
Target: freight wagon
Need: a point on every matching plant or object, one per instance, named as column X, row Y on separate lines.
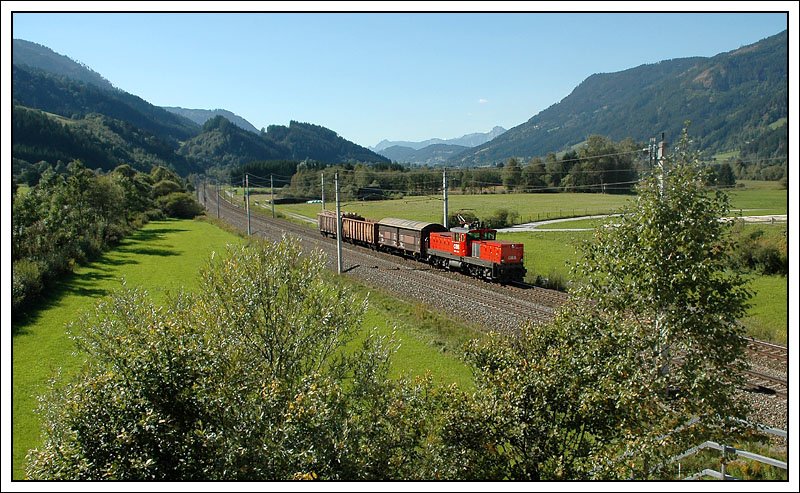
column 472, row 250
column 406, row 236
column 355, row 229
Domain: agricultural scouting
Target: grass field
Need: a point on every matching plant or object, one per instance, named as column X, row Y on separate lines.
column 158, row 258
column 530, row 207
column 754, row 198
column 165, row 257
column 759, row 198
column 768, row 317
column 550, row 254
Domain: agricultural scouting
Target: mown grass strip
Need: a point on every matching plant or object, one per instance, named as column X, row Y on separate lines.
column 165, row 257
column 162, row 257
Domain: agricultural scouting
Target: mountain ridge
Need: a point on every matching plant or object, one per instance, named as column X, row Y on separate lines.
column 201, row 116
column 111, row 124
column 468, row 140
column 730, row 98
column 432, row 155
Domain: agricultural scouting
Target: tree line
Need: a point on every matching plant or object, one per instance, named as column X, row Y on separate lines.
column 600, row 165
column 259, row 377
column 72, row 214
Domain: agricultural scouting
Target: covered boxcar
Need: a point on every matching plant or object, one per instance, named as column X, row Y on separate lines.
column 406, row 236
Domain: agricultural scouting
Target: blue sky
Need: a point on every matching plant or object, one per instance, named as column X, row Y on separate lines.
column 368, row 77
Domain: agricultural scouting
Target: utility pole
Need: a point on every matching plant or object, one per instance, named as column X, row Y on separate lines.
column 322, row 188
column 652, row 149
column 444, row 188
column 661, row 325
column 338, row 227
column 217, row 200
column 247, row 200
column 662, row 147
column 272, row 194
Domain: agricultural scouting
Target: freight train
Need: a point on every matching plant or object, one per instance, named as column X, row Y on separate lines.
column 471, row 249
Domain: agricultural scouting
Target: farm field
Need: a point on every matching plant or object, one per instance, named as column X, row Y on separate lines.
column 165, row 257
column 550, row 254
column 767, row 319
column 754, row 198
column 759, row 198
column 530, row 207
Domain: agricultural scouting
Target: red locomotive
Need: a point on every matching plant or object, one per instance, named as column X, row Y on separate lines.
column 477, row 252
column 472, row 250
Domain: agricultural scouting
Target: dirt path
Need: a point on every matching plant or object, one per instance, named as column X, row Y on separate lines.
column 535, row 226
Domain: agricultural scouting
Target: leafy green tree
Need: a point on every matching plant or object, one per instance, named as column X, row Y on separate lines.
column 179, row 205
column 166, row 187
column 512, row 174
column 557, row 398
column 725, row 176
column 649, row 342
column 557, row 169
column 665, row 268
column 533, row 175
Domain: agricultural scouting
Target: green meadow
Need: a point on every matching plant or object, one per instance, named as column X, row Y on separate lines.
column 162, row 257
column 550, row 254
column 529, row 206
column 759, row 198
column 752, row 198
column 165, row 257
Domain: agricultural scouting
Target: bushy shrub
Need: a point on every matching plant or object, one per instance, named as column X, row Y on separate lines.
column 180, row 205
column 762, row 253
column 26, row 282
column 252, row 379
column 502, row 218
column 166, row 187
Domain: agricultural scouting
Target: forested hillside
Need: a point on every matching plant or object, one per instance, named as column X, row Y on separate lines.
column 41, row 57
column 431, row 155
column 200, row 116
column 84, row 117
column 100, row 142
column 735, row 102
column 73, row 99
column 309, row 141
column 223, row 144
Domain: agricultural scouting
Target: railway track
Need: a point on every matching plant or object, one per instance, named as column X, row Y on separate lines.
column 475, row 301
column 472, row 300
column 769, row 368
column 767, row 384
column 768, row 350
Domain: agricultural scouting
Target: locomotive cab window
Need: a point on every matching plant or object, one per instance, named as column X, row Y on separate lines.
column 489, row 235
column 474, row 235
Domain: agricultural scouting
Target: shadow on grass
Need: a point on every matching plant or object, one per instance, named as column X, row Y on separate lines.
column 144, row 235
column 85, row 284
column 97, row 264
column 161, row 252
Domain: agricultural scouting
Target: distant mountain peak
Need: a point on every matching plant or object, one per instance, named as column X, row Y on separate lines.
column 740, row 92
column 201, row 116
column 469, row 140
column 43, row 58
